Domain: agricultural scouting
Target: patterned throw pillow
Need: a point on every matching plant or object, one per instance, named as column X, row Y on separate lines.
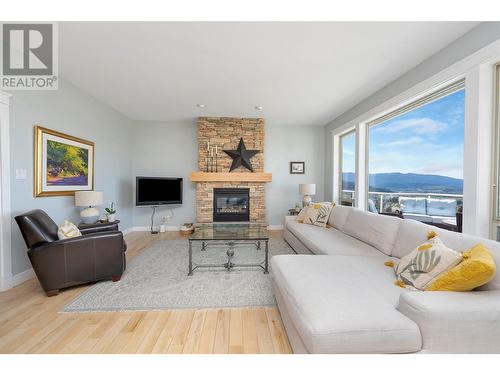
column 68, row 230
column 317, row 214
column 424, row 264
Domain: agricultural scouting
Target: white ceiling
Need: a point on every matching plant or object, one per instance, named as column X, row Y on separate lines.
column 301, row 73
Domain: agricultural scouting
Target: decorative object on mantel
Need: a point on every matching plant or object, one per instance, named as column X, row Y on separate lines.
column 89, row 199
column 63, row 163
column 307, row 190
column 211, row 160
column 241, row 156
column 297, row 167
column 111, row 211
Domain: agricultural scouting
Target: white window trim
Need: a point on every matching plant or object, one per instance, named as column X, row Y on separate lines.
column 341, row 159
column 5, row 211
column 477, row 70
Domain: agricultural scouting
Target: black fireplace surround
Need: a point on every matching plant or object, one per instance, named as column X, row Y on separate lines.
column 231, row 204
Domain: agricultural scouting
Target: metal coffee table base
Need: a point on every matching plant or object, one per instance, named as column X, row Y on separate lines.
column 230, row 253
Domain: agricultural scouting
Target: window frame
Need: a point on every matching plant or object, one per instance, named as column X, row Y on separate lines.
column 429, row 97
column 351, row 131
column 495, row 214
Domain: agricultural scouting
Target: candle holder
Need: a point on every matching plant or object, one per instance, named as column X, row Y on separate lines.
column 211, row 160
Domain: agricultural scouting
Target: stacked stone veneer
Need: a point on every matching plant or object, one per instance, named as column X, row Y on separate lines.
column 225, row 132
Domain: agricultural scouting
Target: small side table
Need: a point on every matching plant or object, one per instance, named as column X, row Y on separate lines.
column 293, row 211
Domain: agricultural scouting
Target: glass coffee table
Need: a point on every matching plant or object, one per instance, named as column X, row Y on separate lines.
column 228, row 237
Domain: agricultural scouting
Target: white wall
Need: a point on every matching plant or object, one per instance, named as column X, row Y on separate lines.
column 171, row 149
column 68, row 110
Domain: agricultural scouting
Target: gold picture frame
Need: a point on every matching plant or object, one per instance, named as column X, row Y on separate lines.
column 63, row 164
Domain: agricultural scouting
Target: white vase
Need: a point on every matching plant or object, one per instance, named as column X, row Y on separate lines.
column 111, row 217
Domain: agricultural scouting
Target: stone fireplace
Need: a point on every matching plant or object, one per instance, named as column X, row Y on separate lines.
column 225, row 133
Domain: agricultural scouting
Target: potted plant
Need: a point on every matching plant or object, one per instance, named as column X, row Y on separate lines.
column 110, row 212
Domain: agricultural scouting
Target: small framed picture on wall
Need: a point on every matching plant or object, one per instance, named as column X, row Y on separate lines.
column 297, row 167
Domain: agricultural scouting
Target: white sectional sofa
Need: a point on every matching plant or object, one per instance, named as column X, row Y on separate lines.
column 337, row 296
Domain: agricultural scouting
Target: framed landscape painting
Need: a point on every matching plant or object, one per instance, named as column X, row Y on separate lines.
column 63, row 164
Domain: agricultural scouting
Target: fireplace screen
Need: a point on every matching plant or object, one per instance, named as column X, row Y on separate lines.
column 231, row 204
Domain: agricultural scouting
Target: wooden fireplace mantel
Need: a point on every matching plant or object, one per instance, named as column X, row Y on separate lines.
column 231, row 177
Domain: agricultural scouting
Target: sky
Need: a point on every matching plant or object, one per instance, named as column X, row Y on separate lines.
column 426, row 140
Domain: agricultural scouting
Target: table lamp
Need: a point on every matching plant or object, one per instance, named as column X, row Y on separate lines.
column 307, row 190
column 89, row 199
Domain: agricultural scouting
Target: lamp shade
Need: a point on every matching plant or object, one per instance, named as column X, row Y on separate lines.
column 88, row 198
column 307, row 189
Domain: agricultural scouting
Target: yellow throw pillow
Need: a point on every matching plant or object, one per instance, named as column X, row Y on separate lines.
column 68, row 230
column 419, row 268
column 476, row 269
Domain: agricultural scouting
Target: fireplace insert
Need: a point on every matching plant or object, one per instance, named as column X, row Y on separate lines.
column 231, row 204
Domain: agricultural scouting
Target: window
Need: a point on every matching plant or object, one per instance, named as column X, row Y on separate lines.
column 347, row 168
column 415, row 159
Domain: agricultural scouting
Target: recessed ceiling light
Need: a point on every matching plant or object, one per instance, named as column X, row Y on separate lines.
column 259, row 108
column 201, row 105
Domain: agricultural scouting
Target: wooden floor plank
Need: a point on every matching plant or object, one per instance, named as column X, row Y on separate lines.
column 30, row 322
column 207, row 338
column 221, row 343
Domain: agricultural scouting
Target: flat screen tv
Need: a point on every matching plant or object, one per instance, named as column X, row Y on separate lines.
column 156, row 191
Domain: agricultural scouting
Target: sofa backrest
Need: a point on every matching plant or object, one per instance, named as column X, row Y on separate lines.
column 413, row 233
column 380, row 231
column 338, row 216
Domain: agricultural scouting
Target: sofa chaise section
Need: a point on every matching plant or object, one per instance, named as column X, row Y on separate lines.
column 341, row 304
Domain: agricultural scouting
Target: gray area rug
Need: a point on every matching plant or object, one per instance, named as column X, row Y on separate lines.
column 156, row 279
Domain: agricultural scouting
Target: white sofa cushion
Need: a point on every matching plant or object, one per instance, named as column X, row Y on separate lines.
column 377, row 230
column 451, row 322
column 338, row 216
column 344, row 304
column 329, row 241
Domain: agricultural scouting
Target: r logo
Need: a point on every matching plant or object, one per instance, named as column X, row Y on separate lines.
column 27, row 49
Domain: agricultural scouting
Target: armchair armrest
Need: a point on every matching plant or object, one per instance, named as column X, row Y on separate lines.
column 455, row 322
column 98, row 227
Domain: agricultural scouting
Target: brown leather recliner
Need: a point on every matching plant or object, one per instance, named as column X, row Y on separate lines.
column 99, row 254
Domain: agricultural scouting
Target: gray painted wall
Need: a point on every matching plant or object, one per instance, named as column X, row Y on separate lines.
column 170, row 149
column 70, row 111
column 283, row 145
column 479, row 37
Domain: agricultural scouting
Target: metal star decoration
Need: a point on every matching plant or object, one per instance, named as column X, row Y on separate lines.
column 241, row 156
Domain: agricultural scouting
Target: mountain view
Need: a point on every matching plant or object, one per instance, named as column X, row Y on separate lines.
column 408, row 183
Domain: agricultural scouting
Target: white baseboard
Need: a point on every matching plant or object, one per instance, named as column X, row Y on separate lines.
column 175, row 228
column 21, row 277
column 275, row 227
column 128, row 230
column 170, row 228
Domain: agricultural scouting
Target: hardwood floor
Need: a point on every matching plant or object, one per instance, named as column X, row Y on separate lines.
column 30, row 323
